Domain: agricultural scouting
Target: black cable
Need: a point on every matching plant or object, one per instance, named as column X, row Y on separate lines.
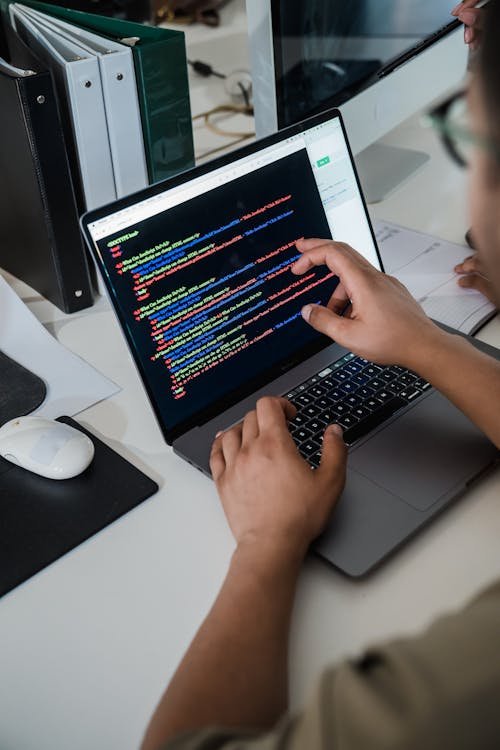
column 204, row 69
column 245, row 94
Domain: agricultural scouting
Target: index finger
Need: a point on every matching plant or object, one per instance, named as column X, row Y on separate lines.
column 272, row 414
column 338, row 260
column 305, row 246
column 464, row 5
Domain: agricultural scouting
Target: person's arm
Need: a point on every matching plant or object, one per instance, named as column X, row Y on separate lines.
column 437, row 690
column 235, row 671
column 387, row 326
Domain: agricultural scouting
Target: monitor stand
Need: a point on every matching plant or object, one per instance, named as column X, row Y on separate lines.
column 383, row 169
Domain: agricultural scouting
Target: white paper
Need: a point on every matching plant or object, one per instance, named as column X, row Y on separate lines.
column 424, row 264
column 72, row 384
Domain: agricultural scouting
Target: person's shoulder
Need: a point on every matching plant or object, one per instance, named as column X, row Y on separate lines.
column 490, row 594
column 474, row 629
column 437, row 690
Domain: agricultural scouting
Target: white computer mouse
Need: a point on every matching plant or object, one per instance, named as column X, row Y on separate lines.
column 45, row 447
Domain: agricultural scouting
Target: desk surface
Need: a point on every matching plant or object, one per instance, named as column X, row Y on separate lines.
column 87, row 646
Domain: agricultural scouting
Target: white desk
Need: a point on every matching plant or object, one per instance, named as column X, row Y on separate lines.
column 87, row 646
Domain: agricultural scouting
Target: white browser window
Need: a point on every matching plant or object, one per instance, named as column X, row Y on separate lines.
column 333, row 172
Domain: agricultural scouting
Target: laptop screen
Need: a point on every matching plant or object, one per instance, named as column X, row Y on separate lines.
column 199, row 273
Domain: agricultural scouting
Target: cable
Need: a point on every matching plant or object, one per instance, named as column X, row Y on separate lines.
column 229, row 108
column 204, row 69
column 233, row 84
column 245, row 94
column 224, row 147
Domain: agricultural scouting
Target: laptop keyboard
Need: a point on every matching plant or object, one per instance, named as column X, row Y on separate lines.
column 354, row 393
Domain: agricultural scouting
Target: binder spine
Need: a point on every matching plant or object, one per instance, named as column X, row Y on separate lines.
column 56, row 190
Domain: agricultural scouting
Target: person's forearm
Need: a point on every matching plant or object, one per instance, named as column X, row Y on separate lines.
column 235, row 671
column 467, row 377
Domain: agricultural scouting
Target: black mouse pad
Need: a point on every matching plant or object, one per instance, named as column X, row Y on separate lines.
column 21, row 391
column 42, row 519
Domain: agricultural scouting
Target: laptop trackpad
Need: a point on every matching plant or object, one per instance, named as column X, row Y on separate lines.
column 430, row 451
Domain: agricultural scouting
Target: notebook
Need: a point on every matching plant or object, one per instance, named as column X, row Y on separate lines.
column 198, row 272
column 424, row 264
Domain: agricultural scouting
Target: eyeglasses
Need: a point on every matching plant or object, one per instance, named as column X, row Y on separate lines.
column 451, row 120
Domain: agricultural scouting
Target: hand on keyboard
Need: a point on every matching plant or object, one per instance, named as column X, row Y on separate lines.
column 269, row 492
column 356, row 394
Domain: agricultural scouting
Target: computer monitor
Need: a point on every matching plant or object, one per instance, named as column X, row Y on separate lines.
column 379, row 61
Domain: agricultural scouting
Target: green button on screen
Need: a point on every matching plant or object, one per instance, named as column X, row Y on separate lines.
column 323, row 162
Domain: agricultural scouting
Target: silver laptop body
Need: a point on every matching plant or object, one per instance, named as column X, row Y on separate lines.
column 197, row 270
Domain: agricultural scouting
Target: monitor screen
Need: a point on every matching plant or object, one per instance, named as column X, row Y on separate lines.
column 200, row 273
column 325, row 52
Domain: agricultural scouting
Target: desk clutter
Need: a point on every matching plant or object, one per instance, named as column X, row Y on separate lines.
column 188, row 11
column 93, row 108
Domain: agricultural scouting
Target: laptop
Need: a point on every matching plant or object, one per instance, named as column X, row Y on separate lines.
column 198, row 271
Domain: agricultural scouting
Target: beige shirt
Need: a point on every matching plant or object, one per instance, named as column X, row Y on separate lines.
column 440, row 691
